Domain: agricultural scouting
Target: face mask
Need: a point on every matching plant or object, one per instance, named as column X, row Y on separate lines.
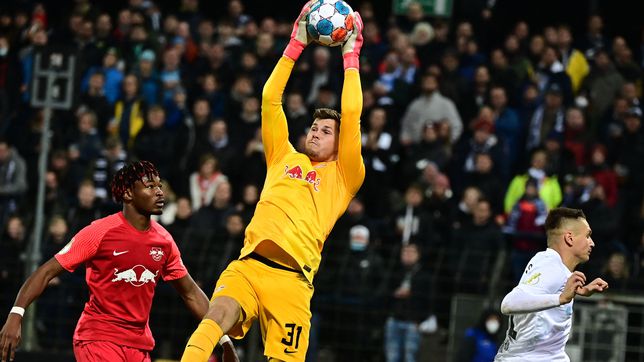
column 357, row 246
column 3, row 51
column 492, row 326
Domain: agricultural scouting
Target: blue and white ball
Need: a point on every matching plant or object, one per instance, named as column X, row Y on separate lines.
column 330, row 22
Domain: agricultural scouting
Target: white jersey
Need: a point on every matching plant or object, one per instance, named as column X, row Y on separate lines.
column 540, row 336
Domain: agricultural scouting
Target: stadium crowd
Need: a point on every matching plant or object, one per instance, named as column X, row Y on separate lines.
column 467, row 142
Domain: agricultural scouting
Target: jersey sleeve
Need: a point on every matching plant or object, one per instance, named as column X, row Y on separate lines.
column 174, row 268
column 539, row 288
column 81, row 247
column 274, row 124
column 350, row 144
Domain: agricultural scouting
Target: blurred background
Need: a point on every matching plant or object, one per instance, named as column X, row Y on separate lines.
column 479, row 116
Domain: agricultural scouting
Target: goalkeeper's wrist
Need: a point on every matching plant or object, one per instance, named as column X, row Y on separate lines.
column 294, row 49
column 351, row 60
column 224, row 339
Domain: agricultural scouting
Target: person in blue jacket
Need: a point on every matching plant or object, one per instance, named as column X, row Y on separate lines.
column 480, row 342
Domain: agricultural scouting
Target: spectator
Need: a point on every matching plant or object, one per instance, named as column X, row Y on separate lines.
column 595, row 38
column 9, row 82
column 84, row 210
column 463, row 211
column 411, row 222
column 430, row 149
column 483, row 140
column 13, row 179
column 601, row 85
column 297, row 116
column 480, row 342
column 525, row 226
column 129, row 113
column 181, row 222
column 218, row 142
column 506, row 123
column 476, row 95
column 603, row 173
column 176, row 110
column 547, row 119
column 561, row 161
column 547, row 186
column 211, row 91
column 605, row 225
column 576, row 136
column 616, row 271
column 37, row 37
column 149, row 78
column 14, row 243
column 249, row 199
column 244, row 125
column 550, row 71
column 380, row 153
column 474, row 249
column 94, row 100
column 429, row 106
column 452, row 82
column 485, row 179
column 518, row 62
column 113, row 76
column 409, row 304
column 112, row 159
column 628, row 166
column 156, row 144
column 200, row 119
column 84, row 147
column 359, row 291
column 572, row 59
column 170, row 74
column 204, row 182
column 502, row 74
column 254, row 163
column 212, row 216
column 320, row 74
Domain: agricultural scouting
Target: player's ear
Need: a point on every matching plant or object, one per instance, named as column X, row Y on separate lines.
column 127, row 195
column 568, row 238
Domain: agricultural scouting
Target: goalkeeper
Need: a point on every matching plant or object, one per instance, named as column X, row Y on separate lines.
column 304, row 195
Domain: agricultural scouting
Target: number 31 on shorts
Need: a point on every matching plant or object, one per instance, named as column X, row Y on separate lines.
column 292, row 339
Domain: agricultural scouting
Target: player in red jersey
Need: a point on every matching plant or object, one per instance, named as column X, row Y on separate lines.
column 125, row 254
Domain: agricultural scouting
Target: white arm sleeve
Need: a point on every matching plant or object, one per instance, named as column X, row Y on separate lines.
column 519, row 301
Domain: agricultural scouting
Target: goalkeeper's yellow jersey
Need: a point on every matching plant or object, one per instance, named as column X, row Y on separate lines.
column 302, row 200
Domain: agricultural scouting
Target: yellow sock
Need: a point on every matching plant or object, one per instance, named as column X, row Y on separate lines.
column 202, row 342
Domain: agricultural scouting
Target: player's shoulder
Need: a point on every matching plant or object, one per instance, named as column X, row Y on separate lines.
column 159, row 229
column 106, row 223
column 546, row 266
column 546, row 257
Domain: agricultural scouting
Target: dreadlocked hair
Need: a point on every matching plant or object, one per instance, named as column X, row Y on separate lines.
column 128, row 175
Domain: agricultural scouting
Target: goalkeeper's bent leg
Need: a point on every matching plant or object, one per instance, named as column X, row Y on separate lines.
column 202, row 342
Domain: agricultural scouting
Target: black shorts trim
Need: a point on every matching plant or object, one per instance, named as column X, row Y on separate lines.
column 272, row 264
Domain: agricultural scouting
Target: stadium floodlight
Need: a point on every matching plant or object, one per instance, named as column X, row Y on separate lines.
column 52, row 87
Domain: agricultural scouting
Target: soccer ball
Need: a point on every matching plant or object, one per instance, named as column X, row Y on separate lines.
column 330, row 22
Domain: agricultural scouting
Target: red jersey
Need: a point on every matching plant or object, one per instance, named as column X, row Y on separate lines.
column 123, row 266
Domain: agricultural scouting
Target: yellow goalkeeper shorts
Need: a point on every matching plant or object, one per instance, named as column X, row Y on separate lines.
column 279, row 298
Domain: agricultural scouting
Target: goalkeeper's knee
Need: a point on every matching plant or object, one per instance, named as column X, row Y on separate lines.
column 202, row 342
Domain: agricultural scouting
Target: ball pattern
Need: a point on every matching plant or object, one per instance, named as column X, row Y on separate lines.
column 330, row 22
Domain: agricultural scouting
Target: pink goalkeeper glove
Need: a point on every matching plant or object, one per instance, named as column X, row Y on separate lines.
column 299, row 36
column 351, row 47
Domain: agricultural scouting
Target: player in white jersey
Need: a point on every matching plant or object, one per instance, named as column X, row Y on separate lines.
column 540, row 307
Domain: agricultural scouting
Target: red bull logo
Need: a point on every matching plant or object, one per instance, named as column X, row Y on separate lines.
column 137, row 275
column 156, row 254
column 296, row 173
